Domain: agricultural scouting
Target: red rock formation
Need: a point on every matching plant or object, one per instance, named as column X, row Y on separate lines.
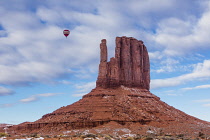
column 130, row 66
column 125, row 106
column 122, row 98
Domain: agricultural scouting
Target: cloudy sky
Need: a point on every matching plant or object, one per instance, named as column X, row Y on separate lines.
column 41, row 70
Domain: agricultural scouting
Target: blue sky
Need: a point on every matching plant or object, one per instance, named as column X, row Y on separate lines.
column 41, row 70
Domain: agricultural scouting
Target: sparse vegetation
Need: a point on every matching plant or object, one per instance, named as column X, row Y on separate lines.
column 3, row 134
column 90, row 136
column 201, row 135
column 180, row 136
column 35, row 135
column 130, row 138
column 107, row 137
column 148, row 138
column 138, row 137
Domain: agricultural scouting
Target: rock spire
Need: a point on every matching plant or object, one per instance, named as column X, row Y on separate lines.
column 130, row 66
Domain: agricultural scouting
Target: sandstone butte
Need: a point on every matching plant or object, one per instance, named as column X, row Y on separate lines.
column 120, row 103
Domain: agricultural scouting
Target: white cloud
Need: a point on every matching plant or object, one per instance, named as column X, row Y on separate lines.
column 150, row 6
column 174, row 26
column 157, row 55
column 79, row 94
column 6, row 105
column 172, row 94
column 30, row 99
column 84, row 88
column 197, row 87
column 181, row 36
column 5, row 91
column 65, row 82
column 48, row 94
column 166, row 68
column 37, row 97
column 206, row 105
column 36, row 50
column 206, row 101
column 28, row 72
column 167, row 65
column 203, row 101
column 43, row 53
column 200, row 72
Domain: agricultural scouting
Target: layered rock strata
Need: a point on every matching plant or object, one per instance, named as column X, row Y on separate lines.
column 130, row 66
column 124, row 106
column 121, row 97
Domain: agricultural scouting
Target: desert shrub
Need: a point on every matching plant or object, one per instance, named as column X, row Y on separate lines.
column 79, row 139
column 148, row 138
column 137, row 137
column 130, row 138
column 180, row 135
column 77, row 135
column 46, row 136
column 55, row 136
column 107, row 137
column 117, row 138
column 3, row 134
column 168, row 135
column 35, row 135
column 99, row 135
column 91, row 136
column 83, row 136
column 161, row 133
column 201, row 135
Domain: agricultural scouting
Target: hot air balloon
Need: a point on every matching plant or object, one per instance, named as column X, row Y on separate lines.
column 66, row 32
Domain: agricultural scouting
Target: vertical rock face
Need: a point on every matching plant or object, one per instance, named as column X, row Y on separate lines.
column 130, row 66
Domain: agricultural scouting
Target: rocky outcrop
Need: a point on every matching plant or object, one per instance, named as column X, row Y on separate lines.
column 121, row 99
column 124, row 106
column 130, row 66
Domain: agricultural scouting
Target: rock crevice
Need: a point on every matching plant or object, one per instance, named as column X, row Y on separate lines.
column 130, row 67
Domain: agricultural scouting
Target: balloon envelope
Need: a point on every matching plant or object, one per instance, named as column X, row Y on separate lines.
column 66, row 32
